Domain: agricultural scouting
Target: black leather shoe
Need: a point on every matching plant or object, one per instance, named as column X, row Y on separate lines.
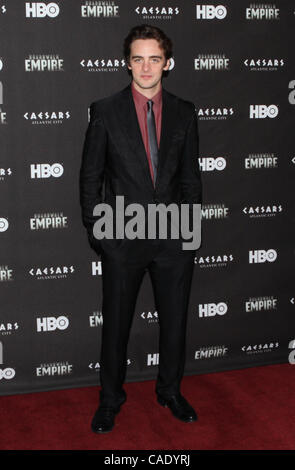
column 179, row 407
column 104, row 419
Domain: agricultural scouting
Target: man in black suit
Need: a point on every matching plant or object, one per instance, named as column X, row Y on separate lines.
column 142, row 143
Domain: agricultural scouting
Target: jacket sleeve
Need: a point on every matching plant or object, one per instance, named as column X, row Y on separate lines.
column 92, row 167
column 190, row 174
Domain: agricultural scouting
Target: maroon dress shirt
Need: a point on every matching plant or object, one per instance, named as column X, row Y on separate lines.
column 140, row 102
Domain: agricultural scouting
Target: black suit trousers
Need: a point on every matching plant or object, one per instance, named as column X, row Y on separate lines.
column 124, row 263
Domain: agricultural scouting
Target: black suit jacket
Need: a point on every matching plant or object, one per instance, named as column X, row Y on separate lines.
column 114, row 160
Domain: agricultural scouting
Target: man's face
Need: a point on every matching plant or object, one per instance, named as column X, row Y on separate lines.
column 147, row 62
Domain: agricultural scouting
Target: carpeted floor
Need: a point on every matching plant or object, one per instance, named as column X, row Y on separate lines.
column 247, row 409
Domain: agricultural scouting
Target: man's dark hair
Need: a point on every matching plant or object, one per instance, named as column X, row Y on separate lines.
column 146, row 31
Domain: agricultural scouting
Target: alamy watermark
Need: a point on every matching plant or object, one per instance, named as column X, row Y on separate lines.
column 182, row 217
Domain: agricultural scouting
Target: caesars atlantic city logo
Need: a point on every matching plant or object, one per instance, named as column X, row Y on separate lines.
column 259, row 65
column 211, row 62
column 261, row 304
column 6, row 329
column 51, row 272
column 108, row 65
column 262, row 111
column 46, row 117
column 214, row 261
column 150, row 316
column 270, row 210
column 157, row 12
column 96, row 365
column 262, row 11
column 210, row 12
column 4, row 172
column 44, row 63
column 99, row 9
column 260, row 348
column 261, row 160
column 102, row 64
column 214, row 114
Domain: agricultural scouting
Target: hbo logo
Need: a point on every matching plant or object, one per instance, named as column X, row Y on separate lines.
column 291, row 356
column 44, row 170
column 7, row 373
column 172, row 63
column 40, row 10
column 210, row 164
column 261, row 111
column 210, row 310
column 209, row 12
column 52, row 323
column 261, row 256
column 291, row 96
column 3, row 224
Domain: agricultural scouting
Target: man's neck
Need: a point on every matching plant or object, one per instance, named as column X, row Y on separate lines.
column 147, row 92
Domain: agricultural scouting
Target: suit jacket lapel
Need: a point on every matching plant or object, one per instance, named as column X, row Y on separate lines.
column 127, row 111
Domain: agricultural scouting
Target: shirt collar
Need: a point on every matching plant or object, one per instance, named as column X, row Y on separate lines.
column 142, row 100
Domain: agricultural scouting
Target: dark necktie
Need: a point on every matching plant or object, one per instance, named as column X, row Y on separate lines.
column 152, row 135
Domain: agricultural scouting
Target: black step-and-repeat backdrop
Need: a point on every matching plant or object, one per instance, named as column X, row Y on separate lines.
column 235, row 61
